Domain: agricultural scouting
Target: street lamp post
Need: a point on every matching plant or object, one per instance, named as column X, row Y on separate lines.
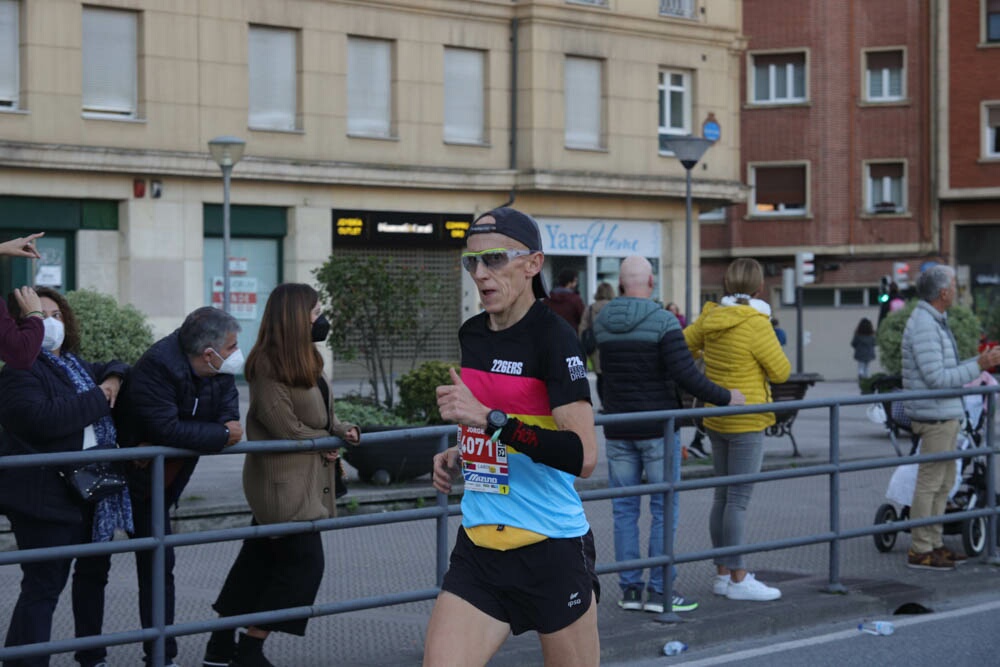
column 226, row 151
column 688, row 150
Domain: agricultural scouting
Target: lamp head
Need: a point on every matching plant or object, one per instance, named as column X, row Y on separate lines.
column 226, row 150
column 687, row 149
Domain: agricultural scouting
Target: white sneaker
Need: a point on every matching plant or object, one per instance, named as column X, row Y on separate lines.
column 751, row 589
column 720, row 584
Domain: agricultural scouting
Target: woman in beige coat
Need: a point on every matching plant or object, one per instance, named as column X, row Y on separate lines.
column 289, row 400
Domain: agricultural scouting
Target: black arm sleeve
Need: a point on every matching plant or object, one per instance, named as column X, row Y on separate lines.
column 680, row 366
column 562, row 450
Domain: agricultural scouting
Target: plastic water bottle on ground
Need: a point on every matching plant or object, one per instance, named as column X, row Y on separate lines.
column 674, row 648
column 883, row 628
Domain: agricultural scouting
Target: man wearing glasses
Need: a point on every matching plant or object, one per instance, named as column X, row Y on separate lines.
column 524, row 556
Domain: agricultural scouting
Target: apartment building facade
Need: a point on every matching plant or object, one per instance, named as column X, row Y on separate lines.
column 968, row 144
column 836, row 152
column 376, row 128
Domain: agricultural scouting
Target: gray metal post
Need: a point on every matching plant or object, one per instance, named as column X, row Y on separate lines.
column 227, row 170
column 688, row 313
column 991, row 491
column 159, row 656
column 834, row 585
column 668, row 615
column 799, row 334
column 442, row 524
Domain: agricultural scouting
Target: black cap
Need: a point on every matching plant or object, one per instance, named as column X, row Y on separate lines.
column 518, row 226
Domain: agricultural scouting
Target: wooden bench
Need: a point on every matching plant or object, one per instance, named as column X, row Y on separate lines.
column 793, row 389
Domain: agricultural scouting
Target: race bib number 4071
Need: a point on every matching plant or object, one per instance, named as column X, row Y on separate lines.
column 484, row 462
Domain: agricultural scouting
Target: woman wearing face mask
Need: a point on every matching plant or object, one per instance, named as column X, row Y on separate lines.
column 61, row 403
column 289, row 400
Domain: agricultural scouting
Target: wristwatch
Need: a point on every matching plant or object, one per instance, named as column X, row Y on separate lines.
column 496, row 419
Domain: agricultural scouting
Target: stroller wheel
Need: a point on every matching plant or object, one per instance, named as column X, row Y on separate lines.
column 885, row 541
column 974, row 536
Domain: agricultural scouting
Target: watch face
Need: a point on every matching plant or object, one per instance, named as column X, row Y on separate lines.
column 496, row 418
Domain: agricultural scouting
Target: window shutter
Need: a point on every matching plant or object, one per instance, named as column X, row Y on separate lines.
column 582, row 87
column 780, row 185
column 9, row 51
column 886, row 170
column 273, row 78
column 993, row 114
column 369, row 86
column 885, row 60
column 109, row 60
column 464, row 95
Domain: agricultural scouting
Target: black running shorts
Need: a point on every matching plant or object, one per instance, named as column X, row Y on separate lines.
column 544, row 586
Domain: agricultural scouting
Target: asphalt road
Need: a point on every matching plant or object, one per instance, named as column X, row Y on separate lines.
column 966, row 634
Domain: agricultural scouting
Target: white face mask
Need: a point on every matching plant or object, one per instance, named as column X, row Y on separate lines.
column 231, row 365
column 55, row 333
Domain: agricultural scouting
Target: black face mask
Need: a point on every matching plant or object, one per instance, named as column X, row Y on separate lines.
column 320, row 329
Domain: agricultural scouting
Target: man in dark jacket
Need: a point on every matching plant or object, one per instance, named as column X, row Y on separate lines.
column 564, row 300
column 643, row 359
column 181, row 393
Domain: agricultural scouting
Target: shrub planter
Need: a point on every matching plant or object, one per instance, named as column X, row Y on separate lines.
column 399, row 460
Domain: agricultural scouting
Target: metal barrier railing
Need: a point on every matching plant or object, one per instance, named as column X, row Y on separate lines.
column 441, row 511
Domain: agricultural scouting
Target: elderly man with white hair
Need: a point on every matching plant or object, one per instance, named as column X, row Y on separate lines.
column 930, row 361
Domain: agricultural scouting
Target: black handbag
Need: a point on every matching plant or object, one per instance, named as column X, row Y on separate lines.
column 93, row 481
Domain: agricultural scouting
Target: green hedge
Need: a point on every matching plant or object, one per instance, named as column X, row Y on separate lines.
column 108, row 330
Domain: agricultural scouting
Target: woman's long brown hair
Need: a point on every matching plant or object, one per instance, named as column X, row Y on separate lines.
column 285, row 337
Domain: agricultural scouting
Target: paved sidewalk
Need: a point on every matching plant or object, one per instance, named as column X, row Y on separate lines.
column 370, row 561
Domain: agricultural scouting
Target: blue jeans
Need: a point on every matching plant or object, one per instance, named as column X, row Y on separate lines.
column 733, row 454
column 626, row 461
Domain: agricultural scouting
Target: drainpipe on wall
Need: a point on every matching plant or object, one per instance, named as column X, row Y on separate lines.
column 513, row 107
column 931, row 231
column 852, row 136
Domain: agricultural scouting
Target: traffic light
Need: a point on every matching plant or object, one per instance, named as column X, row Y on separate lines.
column 901, row 274
column 805, row 270
column 883, row 289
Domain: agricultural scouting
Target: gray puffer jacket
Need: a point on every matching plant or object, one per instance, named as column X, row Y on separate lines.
column 930, row 361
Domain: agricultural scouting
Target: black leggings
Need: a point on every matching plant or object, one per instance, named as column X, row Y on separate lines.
column 274, row 573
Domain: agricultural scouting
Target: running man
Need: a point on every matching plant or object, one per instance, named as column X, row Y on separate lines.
column 524, row 556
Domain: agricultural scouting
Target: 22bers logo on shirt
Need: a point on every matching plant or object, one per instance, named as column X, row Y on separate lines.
column 577, row 369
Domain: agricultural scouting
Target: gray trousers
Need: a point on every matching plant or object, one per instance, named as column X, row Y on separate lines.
column 733, row 454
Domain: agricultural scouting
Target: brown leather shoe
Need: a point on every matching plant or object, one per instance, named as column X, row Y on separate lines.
column 953, row 556
column 928, row 560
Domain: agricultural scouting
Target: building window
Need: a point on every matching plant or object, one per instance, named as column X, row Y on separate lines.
column 779, row 78
column 778, row 190
column 369, row 87
column 886, row 188
column 680, row 8
column 273, row 83
column 584, row 99
column 675, row 105
column 10, row 48
column 884, row 76
column 991, row 133
column 596, row 3
column 992, row 20
column 464, row 96
column 110, row 62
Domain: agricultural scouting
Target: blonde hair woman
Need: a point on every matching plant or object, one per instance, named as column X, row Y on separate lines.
column 740, row 351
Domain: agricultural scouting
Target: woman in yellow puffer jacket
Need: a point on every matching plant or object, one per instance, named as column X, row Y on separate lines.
column 741, row 351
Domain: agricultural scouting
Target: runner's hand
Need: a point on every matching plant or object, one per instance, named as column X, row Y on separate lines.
column 446, row 469
column 458, row 405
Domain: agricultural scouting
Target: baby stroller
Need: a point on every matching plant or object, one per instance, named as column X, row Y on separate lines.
column 969, row 491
